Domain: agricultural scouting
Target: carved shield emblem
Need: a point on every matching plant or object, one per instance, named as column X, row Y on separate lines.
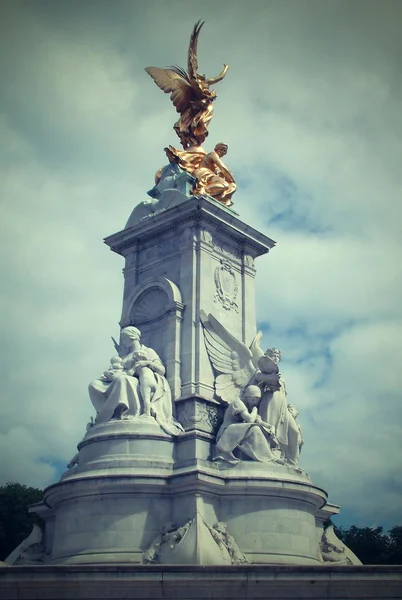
column 226, row 286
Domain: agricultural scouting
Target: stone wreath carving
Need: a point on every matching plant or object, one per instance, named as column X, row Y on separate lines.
column 226, row 286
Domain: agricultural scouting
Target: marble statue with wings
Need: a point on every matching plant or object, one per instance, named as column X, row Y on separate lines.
column 235, row 363
column 239, row 368
column 190, row 93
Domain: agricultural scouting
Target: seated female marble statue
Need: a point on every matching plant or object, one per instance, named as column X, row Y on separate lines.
column 273, row 407
column 244, row 431
column 134, row 385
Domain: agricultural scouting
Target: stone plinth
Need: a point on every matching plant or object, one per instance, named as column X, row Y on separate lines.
column 130, row 483
column 201, row 583
column 138, row 495
column 268, row 509
column 112, row 504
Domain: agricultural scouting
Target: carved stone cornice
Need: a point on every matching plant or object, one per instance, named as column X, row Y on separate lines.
column 196, row 212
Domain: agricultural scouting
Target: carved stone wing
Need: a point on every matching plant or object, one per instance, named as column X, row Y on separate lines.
column 229, row 357
column 256, row 349
column 174, row 81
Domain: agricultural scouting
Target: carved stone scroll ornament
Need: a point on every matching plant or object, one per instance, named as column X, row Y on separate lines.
column 30, row 551
column 226, row 286
column 223, row 538
column 182, row 545
column 134, row 386
column 249, row 260
column 241, row 371
column 333, row 550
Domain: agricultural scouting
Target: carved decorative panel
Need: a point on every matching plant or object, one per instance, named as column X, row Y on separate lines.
column 226, row 286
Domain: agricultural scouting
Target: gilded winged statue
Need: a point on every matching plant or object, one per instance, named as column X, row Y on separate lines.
column 190, row 93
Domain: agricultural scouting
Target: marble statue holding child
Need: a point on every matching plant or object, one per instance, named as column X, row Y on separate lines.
column 134, row 386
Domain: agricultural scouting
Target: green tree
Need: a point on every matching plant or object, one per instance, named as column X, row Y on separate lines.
column 370, row 544
column 15, row 521
column 395, row 545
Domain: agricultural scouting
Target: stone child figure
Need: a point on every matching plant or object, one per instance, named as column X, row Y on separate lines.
column 116, row 364
column 141, row 369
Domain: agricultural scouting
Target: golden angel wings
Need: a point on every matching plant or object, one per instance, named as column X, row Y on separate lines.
column 190, row 93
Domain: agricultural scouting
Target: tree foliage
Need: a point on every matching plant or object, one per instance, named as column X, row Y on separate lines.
column 15, row 521
column 372, row 545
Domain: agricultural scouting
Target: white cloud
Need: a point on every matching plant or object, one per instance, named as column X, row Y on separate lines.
column 311, row 111
column 21, row 459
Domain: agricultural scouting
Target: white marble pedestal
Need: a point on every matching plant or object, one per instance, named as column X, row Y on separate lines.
column 112, row 504
column 127, row 488
column 133, row 481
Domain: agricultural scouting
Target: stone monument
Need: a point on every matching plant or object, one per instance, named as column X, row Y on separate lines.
column 193, row 454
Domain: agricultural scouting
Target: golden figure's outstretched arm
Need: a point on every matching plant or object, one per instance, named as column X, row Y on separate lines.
column 219, row 77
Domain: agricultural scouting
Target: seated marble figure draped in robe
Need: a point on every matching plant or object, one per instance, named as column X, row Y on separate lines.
column 244, row 431
column 134, row 385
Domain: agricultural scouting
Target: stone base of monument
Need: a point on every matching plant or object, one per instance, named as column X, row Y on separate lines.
column 125, row 502
column 136, row 495
column 106, row 507
column 269, row 512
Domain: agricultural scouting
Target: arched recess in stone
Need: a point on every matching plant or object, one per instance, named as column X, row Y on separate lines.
column 156, row 308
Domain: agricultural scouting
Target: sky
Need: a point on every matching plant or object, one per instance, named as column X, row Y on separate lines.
column 310, row 109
